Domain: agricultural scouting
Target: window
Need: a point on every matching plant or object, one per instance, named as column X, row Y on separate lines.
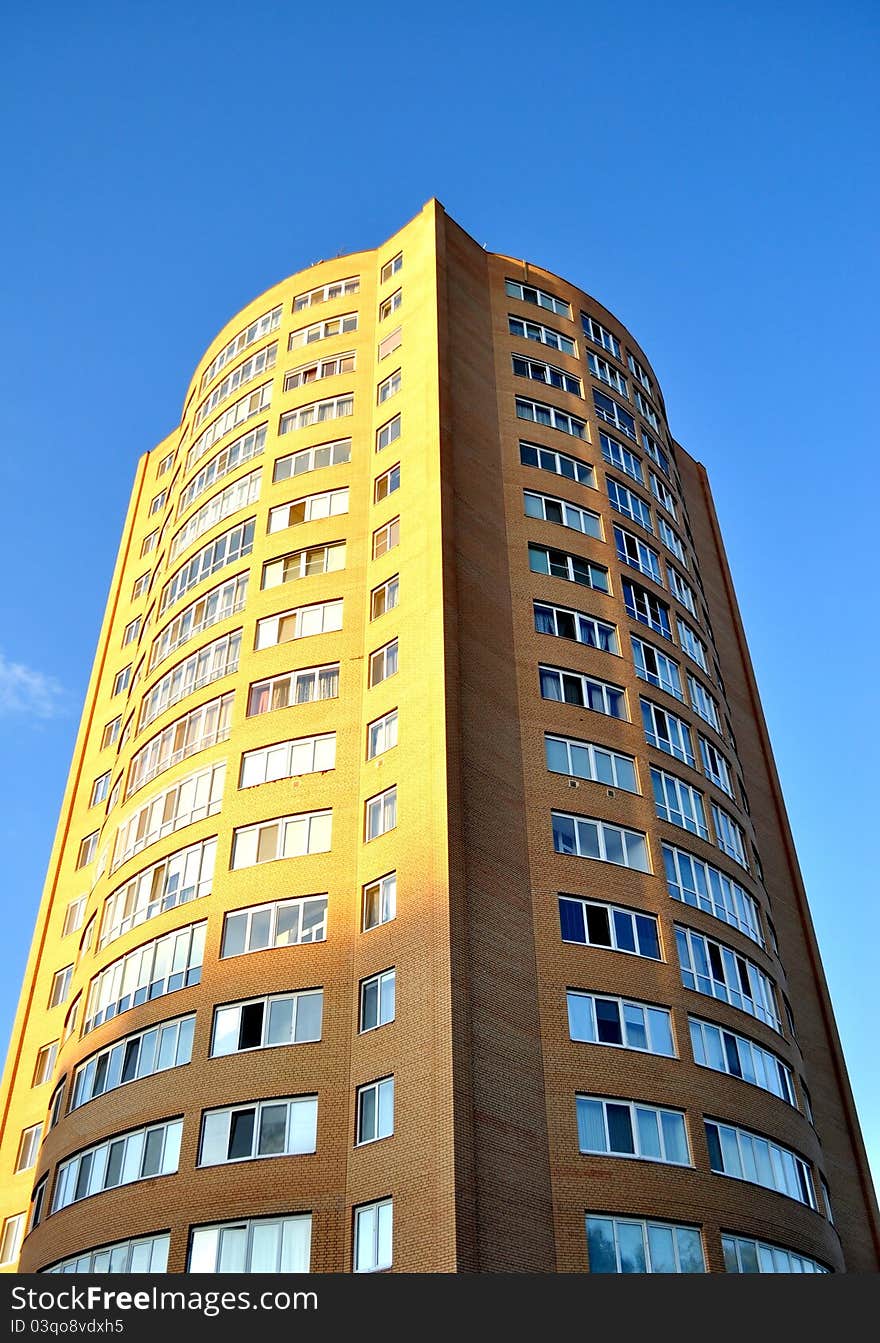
column 316, row 412
column 121, row 680
column 544, row 335
column 625, row 1245
column 70, row 1019
column 640, row 373
column 375, row 1111
column 630, row 1128
column 710, row 967
column 190, row 799
column 318, row 369
column 646, row 608
column 550, row 509
column 585, row 691
column 656, row 668
column 715, row 766
column 390, row 305
column 165, row 464
column 60, row 986
column 262, row 1023
column 530, row 294
column 584, row 760
column 391, row 267
column 312, row 459
column 674, row 542
column 383, row 663
column 218, row 604
column 573, row 568
column 373, row 1236
column 386, row 484
column 327, row 292
column 267, row 1128
column 286, row 923
column 588, row 838
column 146, row 1255
column 376, row 1001
column 149, row 971
column 826, row 1198
column 380, row 814
column 208, row 664
column 166, row 1045
column 634, row 552
column 600, row 335
column 704, row 887
column 331, row 326
column 609, row 411
column 264, row 1245
column 285, row 837
column 11, row 1238
column 647, row 410
column 299, row 623
column 538, row 371
column 600, row 925
column 251, row 404
column 596, row 1019
column 56, row 1105
column 531, row 454
column 224, row 549
column 630, row 505
column 38, row 1202
column 692, row 645
column 100, row 789
column 297, row 687
column 656, row 453
column 329, row 559
column 262, row 326
column 130, row 632
column 667, row 732
column 615, row 454
column 73, row 916
column 663, row 495
column 756, row 1256
column 584, row 629
column 194, row 731
column 729, row 837
column 379, row 900
column 550, row 417
column 678, row 803
column 681, row 590
column 703, row 703
column 28, row 1147
column 390, row 343
column 182, row 876
column 158, row 502
column 149, row 542
column 288, row 760
column 329, row 503
column 140, row 586
column 726, row 1052
column 746, row 1156
column 382, row 735
column 388, row 433
column 605, row 372
column 220, row 506
column 388, row 387
column 385, row 538
column 137, row 1155
column 384, row 598
column 44, row 1064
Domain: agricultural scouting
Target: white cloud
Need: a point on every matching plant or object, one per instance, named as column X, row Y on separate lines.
column 25, row 691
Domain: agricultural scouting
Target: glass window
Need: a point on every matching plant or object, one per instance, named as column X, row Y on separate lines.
column 584, row 691
column 379, row 901
column 631, row 1128
column 375, row 1111
column 373, row 1237
column 377, row 1001
column 618, row 1245
column 559, row 463
column 588, row 838
column 599, row 1019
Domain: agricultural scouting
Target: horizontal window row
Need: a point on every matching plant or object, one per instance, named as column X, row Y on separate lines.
column 239, row 494
column 262, row 326
column 225, row 549
column 226, row 600
column 195, row 731
column 208, row 664
column 175, row 880
column 233, row 455
column 251, row 404
column 253, row 367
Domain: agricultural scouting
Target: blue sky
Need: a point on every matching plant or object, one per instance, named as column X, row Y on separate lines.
column 707, row 171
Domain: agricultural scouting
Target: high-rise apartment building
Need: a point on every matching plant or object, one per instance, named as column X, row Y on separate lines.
column 423, row 896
